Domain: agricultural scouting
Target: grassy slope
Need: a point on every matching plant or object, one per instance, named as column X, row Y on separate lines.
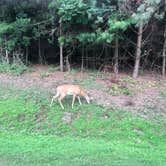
column 33, row 134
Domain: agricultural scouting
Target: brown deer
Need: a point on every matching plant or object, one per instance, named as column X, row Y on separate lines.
column 74, row 90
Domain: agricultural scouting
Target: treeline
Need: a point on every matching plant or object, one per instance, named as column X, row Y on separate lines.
column 110, row 35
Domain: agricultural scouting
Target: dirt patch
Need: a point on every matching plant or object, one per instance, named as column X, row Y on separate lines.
column 21, row 117
column 67, row 117
column 40, row 116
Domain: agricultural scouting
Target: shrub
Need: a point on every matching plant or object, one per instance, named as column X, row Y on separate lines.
column 14, row 68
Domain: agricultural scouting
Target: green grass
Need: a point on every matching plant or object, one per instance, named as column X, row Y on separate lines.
column 53, row 68
column 21, row 149
column 32, row 133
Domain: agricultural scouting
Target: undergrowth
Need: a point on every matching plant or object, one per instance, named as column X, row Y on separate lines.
column 14, row 68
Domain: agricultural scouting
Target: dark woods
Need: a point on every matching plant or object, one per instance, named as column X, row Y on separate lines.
column 107, row 35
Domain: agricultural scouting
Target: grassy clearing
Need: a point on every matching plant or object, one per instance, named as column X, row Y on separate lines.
column 32, row 133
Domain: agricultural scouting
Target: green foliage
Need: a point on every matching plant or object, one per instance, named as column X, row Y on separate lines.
column 87, row 22
column 17, row 32
column 53, row 68
column 104, row 36
column 15, row 68
column 145, row 11
column 85, row 38
column 73, row 11
column 61, row 40
column 118, row 89
column 44, row 74
column 20, row 27
column 115, row 25
column 65, row 40
column 52, row 4
column 5, row 27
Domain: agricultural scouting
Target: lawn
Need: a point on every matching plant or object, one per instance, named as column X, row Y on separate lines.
column 32, row 133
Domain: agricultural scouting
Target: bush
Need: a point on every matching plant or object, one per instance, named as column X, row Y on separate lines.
column 15, row 68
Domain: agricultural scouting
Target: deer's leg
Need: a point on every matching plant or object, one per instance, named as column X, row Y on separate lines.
column 74, row 96
column 53, row 98
column 59, row 99
column 78, row 97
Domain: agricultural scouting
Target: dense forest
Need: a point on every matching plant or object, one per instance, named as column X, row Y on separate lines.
column 107, row 35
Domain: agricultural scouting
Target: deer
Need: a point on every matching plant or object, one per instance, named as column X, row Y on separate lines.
column 70, row 89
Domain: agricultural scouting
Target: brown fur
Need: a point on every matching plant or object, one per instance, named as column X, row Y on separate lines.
column 74, row 90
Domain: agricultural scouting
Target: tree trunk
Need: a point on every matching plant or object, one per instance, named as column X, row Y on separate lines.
column 164, row 53
column 39, row 52
column 61, row 58
column 86, row 55
column 61, row 49
column 164, row 45
column 26, row 55
column 6, row 53
column 138, row 50
column 68, row 64
column 82, row 60
column 1, row 53
column 7, row 56
column 116, row 55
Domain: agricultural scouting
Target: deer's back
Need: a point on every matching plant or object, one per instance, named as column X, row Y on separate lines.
column 69, row 89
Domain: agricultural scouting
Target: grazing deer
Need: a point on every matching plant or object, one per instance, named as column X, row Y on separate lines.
column 74, row 90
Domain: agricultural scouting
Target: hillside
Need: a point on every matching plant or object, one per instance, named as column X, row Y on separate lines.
column 115, row 128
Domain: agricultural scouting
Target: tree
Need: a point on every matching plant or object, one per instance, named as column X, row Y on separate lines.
column 71, row 13
column 164, row 53
column 138, row 50
column 118, row 23
column 100, row 32
column 141, row 17
column 19, row 25
column 164, row 44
